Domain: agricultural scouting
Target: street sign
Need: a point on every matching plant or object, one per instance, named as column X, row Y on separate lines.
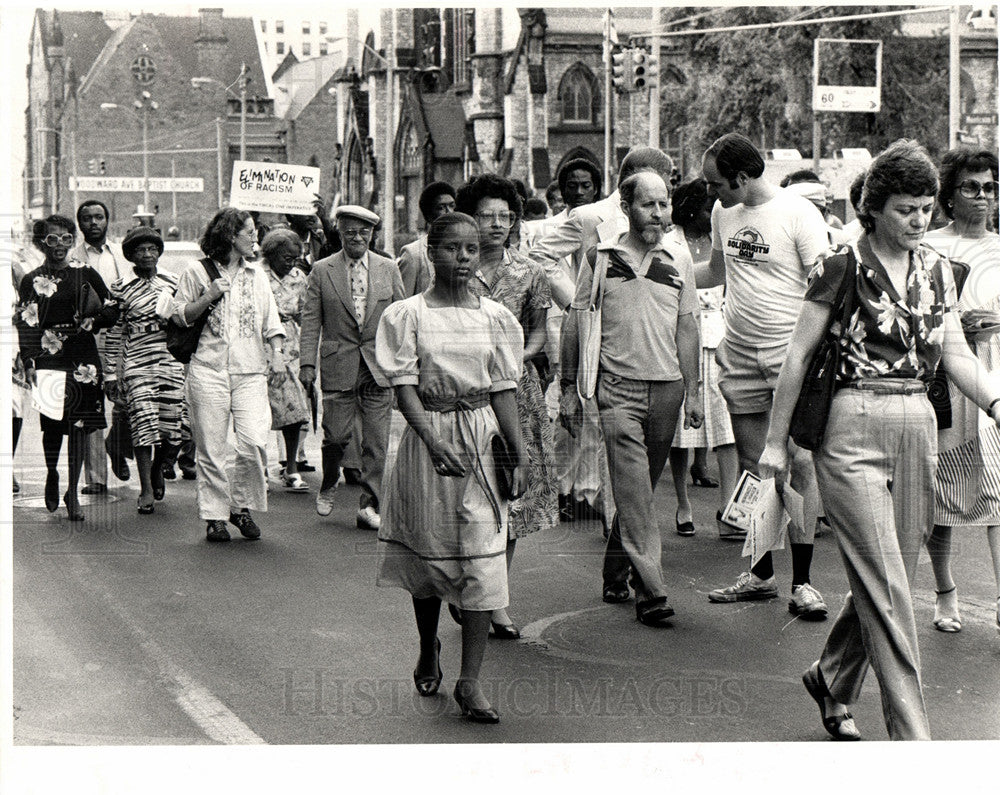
column 134, row 184
column 970, row 119
column 848, row 98
column 967, row 138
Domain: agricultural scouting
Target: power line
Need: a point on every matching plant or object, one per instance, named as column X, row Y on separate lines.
column 799, row 22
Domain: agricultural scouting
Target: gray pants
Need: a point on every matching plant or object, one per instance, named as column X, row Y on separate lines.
column 373, row 404
column 876, row 477
column 95, row 459
column 638, row 419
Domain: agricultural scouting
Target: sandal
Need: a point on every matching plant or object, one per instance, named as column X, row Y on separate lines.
column 145, row 510
column 840, row 727
column 294, row 482
column 946, row 617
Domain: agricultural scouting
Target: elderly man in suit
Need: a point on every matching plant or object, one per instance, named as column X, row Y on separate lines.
column 346, row 296
column 105, row 257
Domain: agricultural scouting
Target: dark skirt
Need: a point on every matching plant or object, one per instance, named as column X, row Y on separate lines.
column 83, row 407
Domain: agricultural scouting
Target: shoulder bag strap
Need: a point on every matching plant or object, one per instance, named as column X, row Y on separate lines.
column 597, row 283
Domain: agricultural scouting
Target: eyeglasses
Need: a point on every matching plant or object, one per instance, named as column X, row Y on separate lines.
column 360, row 234
column 970, row 189
column 504, row 219
column 55, row 240
column 147, row 249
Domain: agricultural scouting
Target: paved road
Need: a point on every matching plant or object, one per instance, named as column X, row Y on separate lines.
column 133, row 630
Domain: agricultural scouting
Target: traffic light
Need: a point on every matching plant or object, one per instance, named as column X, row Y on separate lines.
column 641, row 68
column 92, row 165
column 101, row 168
column 621, row 76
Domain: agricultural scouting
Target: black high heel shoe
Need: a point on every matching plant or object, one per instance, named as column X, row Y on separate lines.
column 476, row 715
column 428, row 685
column 74, row 511
column 703, row 480
column 52, row 490
column 159, row 486
column 504, row 631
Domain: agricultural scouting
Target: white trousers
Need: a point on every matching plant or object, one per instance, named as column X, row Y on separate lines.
column 214, row 399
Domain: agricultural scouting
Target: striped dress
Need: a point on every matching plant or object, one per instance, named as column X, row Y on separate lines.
column 150, row 379
column 968, row 473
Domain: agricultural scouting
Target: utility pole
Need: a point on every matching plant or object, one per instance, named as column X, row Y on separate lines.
column 243, row 111
column 607, row 100
column 389, row 186
column 173, row 190
column 218, row 157
column 954, row 78
column 72, row 165
column 654, row 80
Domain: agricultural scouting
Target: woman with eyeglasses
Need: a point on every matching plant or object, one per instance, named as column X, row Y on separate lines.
column 521, row 286
column 968, row 477
column 227, row 375
column 281, row 252
column 59, row 309
column 139, row 370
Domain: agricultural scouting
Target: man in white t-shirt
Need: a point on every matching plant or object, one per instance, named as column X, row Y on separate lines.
column 765, row 240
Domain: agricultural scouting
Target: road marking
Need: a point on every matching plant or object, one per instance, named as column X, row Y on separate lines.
column 211, row 715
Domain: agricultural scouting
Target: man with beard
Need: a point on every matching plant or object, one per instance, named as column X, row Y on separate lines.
column 648, row 364
column 108, row 260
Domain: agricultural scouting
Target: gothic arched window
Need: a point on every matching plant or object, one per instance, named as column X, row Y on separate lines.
column 577, row 94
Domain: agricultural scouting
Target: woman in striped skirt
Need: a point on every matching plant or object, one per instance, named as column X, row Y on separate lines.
column 140, row 370
column 968, row 474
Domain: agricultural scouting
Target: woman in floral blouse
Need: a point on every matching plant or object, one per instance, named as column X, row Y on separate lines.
column 877, row 462
column 522, row 287
column 60, row 308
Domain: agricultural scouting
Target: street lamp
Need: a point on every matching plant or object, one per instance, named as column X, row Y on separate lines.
column 145, row 104
column 242, row 80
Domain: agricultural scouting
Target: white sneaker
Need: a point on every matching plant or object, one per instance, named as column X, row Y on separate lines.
column 368, row 519
column 807, row 602
column 324, row 502
column 748, row 588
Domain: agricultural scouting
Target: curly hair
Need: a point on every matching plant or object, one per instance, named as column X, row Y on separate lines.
column 276, row 238
column 429, row 194
column 40, row 228
column 904, row 167
column 687, row 202
column 217, row 240
column 954, row 162
column 581, row 164
column 487, row 186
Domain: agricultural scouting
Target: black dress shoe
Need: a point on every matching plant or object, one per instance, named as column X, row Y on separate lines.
column 169, row 473
column 248, row 527
column 304, row 466
column 428, row 685
column 614, row 594
column 52, row 490
column 504, row 631
column 475, row 714
column 703, row 480
column 654, row 612
column 94, row 488
column 73, row 509
column 216, row 530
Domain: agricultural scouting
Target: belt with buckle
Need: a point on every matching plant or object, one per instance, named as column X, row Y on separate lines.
column 889, row 386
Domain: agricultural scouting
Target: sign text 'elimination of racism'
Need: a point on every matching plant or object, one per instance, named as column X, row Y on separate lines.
column 274, row 187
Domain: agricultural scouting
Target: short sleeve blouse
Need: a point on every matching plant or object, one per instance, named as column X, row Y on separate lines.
column 887, row 335
column 449, row 352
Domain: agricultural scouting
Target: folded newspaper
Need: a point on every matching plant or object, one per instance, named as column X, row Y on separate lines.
column 763, row 513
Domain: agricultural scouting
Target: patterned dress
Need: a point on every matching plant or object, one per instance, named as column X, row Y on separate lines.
column 968, row 478
column 152, row 381
column 446, row 536
column 521, row 286
column 59, row 342
column 289, row 402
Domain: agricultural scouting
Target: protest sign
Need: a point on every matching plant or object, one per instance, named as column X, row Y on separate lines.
column 274, row 187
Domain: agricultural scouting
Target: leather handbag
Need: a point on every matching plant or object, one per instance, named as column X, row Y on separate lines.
column 812, row 409
column 588, row 323
column 90, row 302
column 182, row 341
column 504, row 463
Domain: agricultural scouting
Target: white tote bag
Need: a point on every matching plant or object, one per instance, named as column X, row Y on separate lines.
column 588, row 323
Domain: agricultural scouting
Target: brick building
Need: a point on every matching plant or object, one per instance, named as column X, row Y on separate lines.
column 85, row 74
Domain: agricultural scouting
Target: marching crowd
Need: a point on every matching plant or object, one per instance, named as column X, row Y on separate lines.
column 547, row 367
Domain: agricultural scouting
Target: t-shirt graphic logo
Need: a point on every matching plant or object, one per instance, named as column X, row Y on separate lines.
column 748, row 246
column 664, row 273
